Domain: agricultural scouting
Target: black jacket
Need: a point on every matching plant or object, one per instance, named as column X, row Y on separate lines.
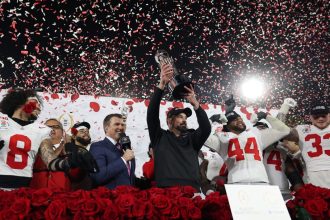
column 176, row 158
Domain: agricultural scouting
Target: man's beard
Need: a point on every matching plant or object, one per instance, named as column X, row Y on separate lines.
column 83, row 141
column 33, row 117
column 182, row 128
column 239, row 129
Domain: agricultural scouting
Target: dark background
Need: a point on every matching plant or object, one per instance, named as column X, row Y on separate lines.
column 107, row 47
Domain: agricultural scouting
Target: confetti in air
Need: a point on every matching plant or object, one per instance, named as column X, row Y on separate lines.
column 107, row 47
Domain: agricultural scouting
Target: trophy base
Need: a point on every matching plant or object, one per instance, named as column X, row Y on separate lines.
column 179, row 91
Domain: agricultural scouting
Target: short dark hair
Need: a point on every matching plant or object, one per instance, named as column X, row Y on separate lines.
column 14, row 99
column 108, row 118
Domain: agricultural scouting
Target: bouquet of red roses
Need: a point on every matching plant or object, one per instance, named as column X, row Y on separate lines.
column 310, row 202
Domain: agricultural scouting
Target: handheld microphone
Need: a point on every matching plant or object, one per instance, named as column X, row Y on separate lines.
column 124, row 141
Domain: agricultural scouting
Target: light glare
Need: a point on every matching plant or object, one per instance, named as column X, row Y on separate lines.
column 252, row 89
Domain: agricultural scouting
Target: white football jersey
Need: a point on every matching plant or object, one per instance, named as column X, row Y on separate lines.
column 243, row 155
column 216, row 165
column 21, row 144
column 274, row 164
column 314, row 144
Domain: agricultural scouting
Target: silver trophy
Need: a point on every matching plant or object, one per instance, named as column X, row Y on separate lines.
column 178, row 81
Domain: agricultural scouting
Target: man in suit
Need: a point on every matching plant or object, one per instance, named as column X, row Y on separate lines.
column 116, row 165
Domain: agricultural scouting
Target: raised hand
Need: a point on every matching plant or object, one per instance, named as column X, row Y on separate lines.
column 261, row 115
column 220, row 118
column 166, row 74
column 290, row 102
column 230, row 103
column 191, row 97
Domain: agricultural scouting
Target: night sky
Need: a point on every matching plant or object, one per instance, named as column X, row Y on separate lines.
column 107, row 47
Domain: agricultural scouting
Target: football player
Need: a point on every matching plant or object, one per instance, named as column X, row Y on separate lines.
column 21, row 138
column 314, row 143
column 241, row 148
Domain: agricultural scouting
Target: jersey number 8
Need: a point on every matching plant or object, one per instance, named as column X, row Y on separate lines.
column 22, row 152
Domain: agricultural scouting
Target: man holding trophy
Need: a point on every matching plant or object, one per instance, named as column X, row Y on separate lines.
column 176, row 149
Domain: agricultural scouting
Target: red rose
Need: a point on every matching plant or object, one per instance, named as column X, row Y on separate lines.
column 174, row 192
column 307, row 192
column 162, row 203
column 90, row 207
column 188, row 191
column 29, row 107
column 56, row 210
column 6, row 199
column 139, row 210
column 156, row 191
column 185, row 202
column 38, row 213
column 81, row 216
column 22, row 193
column 126, row 189
column 211, row 209
column 198, row 201
column 21, row 207
column 316, row 207
column 111, row 211
column 104, row 203
column 102, row 192
column 75, row 205
column 149, row 211
column 143, row 196
column 175, row 213
column 125, row 203
column 194, row 213
column 8, row 215
column 41, row 197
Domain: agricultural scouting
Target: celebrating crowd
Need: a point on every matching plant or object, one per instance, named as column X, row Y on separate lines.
column 44, row 156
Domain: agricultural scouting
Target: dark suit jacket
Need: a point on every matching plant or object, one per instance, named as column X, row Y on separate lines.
column 113, row 170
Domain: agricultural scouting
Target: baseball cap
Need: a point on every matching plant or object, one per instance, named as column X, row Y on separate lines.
column 80, row 125
column 231, row 116
column 176, row 111
column 319, row 109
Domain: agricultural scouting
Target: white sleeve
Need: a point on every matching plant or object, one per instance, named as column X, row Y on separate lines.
column 213, row 142
column 278, row 125
column 270, row 136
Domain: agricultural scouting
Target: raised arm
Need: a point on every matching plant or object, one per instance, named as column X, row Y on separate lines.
column 46, row 151
column 278, row 131
column 153, row 108
column 204, row 129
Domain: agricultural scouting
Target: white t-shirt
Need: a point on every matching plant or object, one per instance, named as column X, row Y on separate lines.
column 21, row 144
column 314, row 144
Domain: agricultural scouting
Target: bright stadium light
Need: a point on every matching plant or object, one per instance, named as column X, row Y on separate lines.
column 252, row 88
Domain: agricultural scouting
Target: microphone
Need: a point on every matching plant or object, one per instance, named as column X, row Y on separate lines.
column 124, row 141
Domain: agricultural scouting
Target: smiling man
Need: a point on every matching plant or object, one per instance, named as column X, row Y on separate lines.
column 176, row 149
column 117, row 165
column 241, row 148
column 314, row 143
column 80, row 134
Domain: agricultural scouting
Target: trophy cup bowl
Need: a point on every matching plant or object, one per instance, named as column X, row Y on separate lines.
column 179, row 81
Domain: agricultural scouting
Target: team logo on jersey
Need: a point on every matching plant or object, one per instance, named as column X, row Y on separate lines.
column 306, row 129
column 4, row 125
